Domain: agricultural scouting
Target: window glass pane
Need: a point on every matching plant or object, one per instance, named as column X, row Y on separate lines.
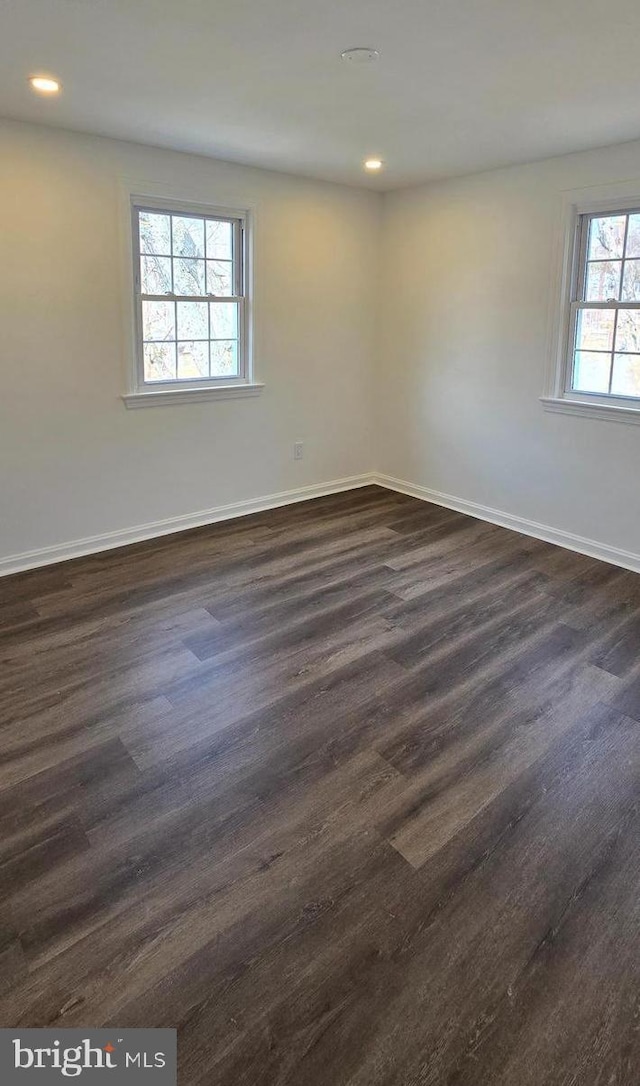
column 595, row 329
column 155, row 274
column 224, row 320
column 606, row 237
column 193, row 360
column 628, row 330
column 155, row 233
column 219, row 277
column 633, row 236
column 591, row 372
column 159, row 361
column 219, row 239
column 631, row 281
column 158, row 320
column 188, row 236
column 224, row 358
column 603, row 281
column 188, row 276
column 626, row 375
column 193, row 320
column 187, row 264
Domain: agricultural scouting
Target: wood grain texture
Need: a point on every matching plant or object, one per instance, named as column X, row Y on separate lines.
column 348, row 792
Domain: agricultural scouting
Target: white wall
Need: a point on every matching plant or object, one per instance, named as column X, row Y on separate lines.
column 74, row 462
column 468, row 281
column 444, row 317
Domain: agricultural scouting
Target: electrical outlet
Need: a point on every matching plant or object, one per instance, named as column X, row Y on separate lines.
column 298, row 450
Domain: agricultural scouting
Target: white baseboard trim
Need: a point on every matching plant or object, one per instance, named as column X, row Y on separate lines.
column 45, row 556
column 62, row 552
column 591, row 547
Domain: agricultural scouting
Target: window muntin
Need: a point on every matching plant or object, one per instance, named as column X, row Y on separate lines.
column 604, row 339
column 190, row 297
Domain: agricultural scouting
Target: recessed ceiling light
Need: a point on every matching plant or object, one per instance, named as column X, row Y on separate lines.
column 362, row 54
column 373, row 164
column 44, row 84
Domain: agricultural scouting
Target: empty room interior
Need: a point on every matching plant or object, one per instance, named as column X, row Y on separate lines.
column 320, row 542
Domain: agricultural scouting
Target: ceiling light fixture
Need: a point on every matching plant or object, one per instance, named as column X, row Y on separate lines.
column 362, row 54
column 44, row 84
column 373, row 164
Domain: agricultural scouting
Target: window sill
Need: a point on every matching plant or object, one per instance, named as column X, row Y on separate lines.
column 161, row 397
column 610, row 412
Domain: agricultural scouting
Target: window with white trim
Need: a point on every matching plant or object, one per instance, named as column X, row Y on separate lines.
column 603, row 357
column 190, row 297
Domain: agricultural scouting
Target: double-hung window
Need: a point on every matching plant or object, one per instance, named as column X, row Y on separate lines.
column 190, row 298
column 603, row 358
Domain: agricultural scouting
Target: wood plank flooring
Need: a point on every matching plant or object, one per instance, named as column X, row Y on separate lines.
column 348, row 792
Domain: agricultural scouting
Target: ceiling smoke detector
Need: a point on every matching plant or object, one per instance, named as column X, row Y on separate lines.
column 363, row 54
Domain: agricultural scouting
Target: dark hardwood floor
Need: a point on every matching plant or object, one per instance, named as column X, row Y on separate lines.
column 349, row 792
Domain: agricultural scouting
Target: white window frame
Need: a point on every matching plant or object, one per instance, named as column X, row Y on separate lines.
column 143, row 393
column 578, row 207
